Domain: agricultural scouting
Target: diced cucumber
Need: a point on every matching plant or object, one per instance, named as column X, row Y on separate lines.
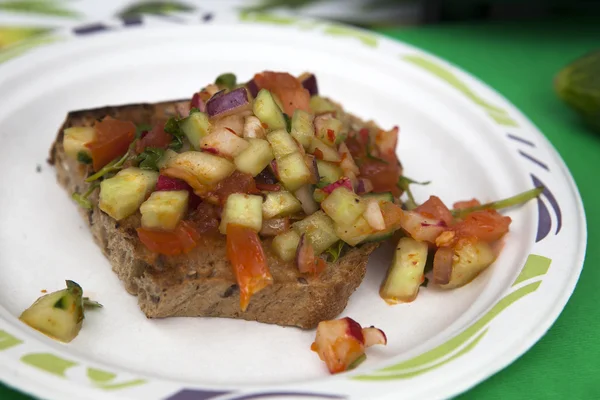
column 302, row 127
column 196, row 127
column 380, row 197
column 354, row 233
column 164, row 209
column 164, row 160
column 205, row 168
column 343, row 206
column 468, row 261
column 379, row 236
column 405, row 275
column 319, row 229
column 255, row 158
column 327, row 153
column 58, row 314
column 320, row 105
column 280, row 204
column 293, row 171
column 122, row 195
column 224, row 142
column 329, row 172
column 285, row 245
column 75, row 140
column 242, row 209
column 267, row 110
column 328, row 129
column 282, row 143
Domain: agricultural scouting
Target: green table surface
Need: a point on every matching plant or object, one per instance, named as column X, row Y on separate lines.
column 520, row 60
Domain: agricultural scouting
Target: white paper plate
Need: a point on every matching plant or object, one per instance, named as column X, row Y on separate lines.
column 455, row 131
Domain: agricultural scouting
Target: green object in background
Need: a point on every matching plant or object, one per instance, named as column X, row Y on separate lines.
column 578, row 84
column 41, row 7
column 155, row 8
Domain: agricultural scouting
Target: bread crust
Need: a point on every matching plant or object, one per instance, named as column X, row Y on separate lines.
column 201, row 283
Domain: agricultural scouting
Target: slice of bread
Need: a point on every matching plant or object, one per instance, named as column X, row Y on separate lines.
column 201, row 283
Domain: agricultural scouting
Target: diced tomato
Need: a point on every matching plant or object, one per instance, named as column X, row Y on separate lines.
column 170, row 243
column 459, row 205
column 205, row 218
column 237, row 182
column 269, row 187
column 435, row 208
column 392, row 215
column 383, row 176
column 156, row 137
column 487, row 226
column 247, row 258
column 287, row 88
column 113, row 138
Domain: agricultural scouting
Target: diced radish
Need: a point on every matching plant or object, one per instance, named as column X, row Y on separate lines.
column 198, row 103
column 386, row 141
column 422, row 228
column 253, row 128
column 364, row 186
column 166, row 183
column 342, row 182
column 373, row 336
column 225, row 141
column 374, row 216
column 305, row 195
column 233, row 123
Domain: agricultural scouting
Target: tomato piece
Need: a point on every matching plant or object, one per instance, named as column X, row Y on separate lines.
column 383, row 175
column 181, row 240
column 392, row 215
column 435, row 208
column 113, row 138
column 487, row 226
column 287, row 88
column 156, row 137
column 237, row 182
column 459, row 205
column 247, row 258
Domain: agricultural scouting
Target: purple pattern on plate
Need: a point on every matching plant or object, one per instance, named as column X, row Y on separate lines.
column 534, row 160
column 287, row 394
column 544, row 221
column 196, row 394
column 91, row 28
column 520, row 139
column 543, row 209
column 132, row 20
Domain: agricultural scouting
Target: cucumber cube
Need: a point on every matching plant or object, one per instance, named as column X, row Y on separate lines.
column 242, row 209
column 76, row 138
column 267, row 110
column 255, row 158
column 285, row 245
column 329, row 172
column 319, row 229
column 122, row 195
column 196, row 126
column 343, row 206
column 328, row 129
column 323, row 151
column 163, row 210
column 282, row 143
column 293, row 171
column 302, row 127
column 280, row 204
column 354, row 233
column 405, row 275
column 225, row 142
column 207, row 168
column 320, row 105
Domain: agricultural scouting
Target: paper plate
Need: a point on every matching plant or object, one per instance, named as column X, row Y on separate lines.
column 455, row 132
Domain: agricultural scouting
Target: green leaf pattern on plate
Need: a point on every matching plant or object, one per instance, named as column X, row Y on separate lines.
column 42, row 7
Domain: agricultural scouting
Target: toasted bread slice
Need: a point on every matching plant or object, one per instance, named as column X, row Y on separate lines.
column 201, row 283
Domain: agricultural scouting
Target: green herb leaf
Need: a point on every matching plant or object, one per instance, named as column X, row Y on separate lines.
column 194, row 110
column 82, row 201
column 516, row 200
column 114, row 165
column 227, row 80
column 84, row 157
column 139, row 129
column 149, row 158
column 172, row 127
column 91, row 303
column 404, row 183
column 357, row 362
column 288, row 122
column 334, row 251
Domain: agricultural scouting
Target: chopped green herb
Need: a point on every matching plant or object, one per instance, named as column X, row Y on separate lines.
column 516, row 200
column 322, row 183
column 335, row 251
column 82, row 199
column 194, row 110
column 141, row 128
column 84, row 157
column 91, row 303
column 149, row 158
column 357, row 362
column 404, row 184
column 288, row 122
column 227, row 80
column 172, row 127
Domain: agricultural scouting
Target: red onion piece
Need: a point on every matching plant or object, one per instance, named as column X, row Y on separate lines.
column 266, row 176
column 229, row 103
column 197, row 102
column 374, row 336
column 343, row 181
column 305, row 255
column 364, row 186
column 275, row 169
column 309, row 205
column 442, row 265
column 310, row 83
column 252, row 87
column 311, row 163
